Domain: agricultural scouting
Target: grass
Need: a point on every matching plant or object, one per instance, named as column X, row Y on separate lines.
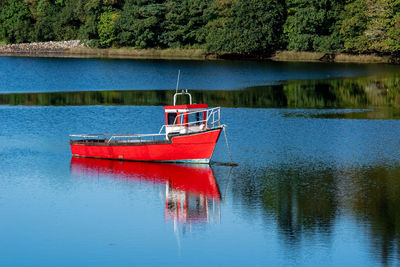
column 361, row 58
column 317, row 56
column 297, row 56
column 2, row 42
column 128, row 52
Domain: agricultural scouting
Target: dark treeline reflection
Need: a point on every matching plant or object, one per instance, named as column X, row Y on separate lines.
column 251, row 97
column 374, row 196
column 373, row 91
column 306, row 202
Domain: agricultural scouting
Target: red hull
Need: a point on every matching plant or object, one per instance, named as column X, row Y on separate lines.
column 196, row 147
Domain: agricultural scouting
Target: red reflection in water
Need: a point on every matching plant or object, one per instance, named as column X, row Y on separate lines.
column 190, row 189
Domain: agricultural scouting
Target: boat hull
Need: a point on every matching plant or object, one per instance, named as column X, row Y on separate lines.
column 186, row 148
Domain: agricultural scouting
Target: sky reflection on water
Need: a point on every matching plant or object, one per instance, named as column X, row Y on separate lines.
column 307, row 192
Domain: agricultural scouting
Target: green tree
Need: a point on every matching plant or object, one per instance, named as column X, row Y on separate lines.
column 352, row 26
column 246, row 26
column 311, row 25
column 140, row 23
column 185, row 22
column 68, row 20
column 372, row 25
column 15, row 22
column 46, row 14
column 106, row 27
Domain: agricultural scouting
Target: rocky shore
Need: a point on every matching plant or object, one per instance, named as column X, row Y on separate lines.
column 47, row 49
column 77, row 49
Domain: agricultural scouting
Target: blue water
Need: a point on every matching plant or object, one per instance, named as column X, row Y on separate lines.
column 307, row 192
column 64, row 74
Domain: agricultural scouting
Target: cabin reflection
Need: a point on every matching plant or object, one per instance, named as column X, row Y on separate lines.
column 186, row 207
column 192, row 195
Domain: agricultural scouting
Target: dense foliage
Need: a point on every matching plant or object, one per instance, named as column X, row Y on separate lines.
column 255, row 27
column 311, row 25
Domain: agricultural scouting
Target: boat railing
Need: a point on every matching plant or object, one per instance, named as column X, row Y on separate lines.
column 212, row 119
column 120, row 138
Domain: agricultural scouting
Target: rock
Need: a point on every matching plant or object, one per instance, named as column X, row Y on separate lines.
column 40, row 48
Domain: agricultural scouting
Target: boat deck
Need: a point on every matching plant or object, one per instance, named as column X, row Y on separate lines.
column 107, row 142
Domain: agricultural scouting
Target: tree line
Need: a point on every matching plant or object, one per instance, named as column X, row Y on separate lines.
column 249, row 27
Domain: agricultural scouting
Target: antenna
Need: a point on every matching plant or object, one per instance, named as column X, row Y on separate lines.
column 177, row 82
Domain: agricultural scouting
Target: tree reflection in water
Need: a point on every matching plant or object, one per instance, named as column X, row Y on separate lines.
column 305, row 202
column 371, row 91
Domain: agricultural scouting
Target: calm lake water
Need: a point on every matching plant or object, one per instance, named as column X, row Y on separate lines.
column 314, row 187
column 51, row 74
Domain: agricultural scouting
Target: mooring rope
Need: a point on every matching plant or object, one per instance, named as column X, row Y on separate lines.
column 227, row 183
column 227, row 145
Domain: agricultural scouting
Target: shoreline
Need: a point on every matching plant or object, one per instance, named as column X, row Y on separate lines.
column 75, row 49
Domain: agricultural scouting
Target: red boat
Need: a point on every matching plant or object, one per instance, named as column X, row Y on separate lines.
column 191, row 193
column 190, row 134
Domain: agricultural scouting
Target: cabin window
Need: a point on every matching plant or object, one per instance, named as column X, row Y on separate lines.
column 195, row 117
column 171, row 118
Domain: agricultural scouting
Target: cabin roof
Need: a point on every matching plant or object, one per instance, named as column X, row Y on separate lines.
column 188, row 106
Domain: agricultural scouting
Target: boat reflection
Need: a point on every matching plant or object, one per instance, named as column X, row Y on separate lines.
column 191, row 196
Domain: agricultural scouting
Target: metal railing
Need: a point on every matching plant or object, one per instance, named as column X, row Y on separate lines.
column 212, row 119
column 120, row 138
